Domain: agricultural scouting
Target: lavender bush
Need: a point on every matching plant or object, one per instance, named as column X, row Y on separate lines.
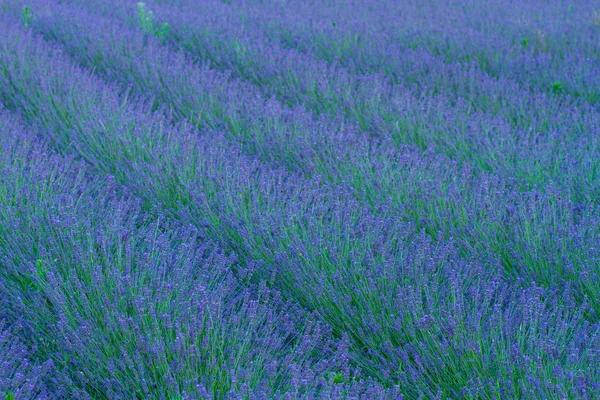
column 125, row 305
column 253, row 201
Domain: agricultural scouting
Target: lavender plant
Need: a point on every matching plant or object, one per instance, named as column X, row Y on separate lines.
column 363, row 180
column 451, row 132
column 147, row 23
column 19, row 377
column 26, row 17
column 126, row 305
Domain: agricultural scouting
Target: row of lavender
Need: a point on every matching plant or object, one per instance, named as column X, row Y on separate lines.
column 290, row 138
column 501, row 125
column 103, row 300
column 426, row 312
column 549, row 45
column 279, row 128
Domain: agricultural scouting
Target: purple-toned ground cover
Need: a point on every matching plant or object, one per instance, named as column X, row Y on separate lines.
column 123, row 303
column 255, row 203
column 371, row 101
column 275, row 129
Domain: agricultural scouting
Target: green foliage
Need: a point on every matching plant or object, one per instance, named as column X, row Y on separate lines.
column 41, row 270
column 9, row 396
column 145, row 18
column 557, row 87
column 148, row 25
column 162, row 31
column 97, row 59
column 338, row 378
column 26, row 17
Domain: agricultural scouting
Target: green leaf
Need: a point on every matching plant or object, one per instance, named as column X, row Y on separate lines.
column 338, row 378
column 26, row 17
column 41, row 270
column 145, row 17
column 557, row 87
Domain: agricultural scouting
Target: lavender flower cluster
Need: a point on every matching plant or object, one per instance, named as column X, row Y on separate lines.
column 299, row 200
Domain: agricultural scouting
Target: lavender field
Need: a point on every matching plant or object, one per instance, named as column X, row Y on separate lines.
column 299, row 199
